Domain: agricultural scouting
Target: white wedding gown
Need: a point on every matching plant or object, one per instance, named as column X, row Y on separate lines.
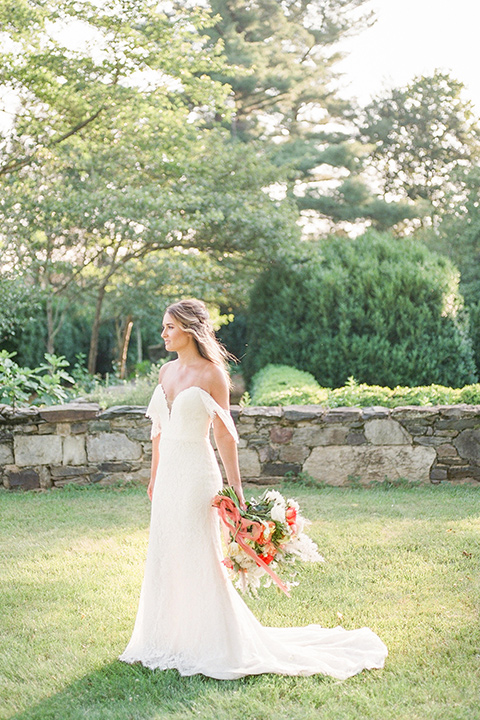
column 190, row 617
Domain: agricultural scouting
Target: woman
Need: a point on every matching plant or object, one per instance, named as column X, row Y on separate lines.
column 190, row 617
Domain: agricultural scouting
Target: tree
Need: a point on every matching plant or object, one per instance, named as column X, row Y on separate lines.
column 148, row 175
column 281, row 57
column 93, row 227
column 383, row 309
column 75, row 106
column 353, row 200
column 68, row 89
column 459, row 237
column 140, row 293
column 285, row 95
column 421, row 136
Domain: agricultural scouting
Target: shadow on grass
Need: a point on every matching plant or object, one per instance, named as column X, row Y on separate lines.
column 131, row 692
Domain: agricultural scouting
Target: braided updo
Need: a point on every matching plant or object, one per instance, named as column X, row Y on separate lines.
column 192, row 315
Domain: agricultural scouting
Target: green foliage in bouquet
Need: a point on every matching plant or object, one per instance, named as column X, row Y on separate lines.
column 257, row 511
column 384, row 309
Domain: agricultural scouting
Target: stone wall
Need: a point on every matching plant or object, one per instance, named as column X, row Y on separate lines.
column 41, row 448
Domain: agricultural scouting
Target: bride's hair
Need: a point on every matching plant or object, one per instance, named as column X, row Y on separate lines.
column 193, row 317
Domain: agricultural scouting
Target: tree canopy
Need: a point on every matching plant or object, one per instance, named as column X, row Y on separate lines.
column 146, row 174
column 424, row 137
column 459, row 237
column 285, row 94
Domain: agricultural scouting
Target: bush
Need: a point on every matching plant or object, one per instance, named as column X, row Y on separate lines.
column 282, row 385
column 382, row 309
column 362, row 395
column 43, row 385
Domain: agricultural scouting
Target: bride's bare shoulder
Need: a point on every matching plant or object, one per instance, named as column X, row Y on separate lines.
column 218, row 384
column 165, row 368
column 215, row 374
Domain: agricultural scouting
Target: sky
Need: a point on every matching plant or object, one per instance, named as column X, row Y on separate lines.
column 410, row 38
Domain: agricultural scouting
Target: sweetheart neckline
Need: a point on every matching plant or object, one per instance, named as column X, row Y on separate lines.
column 217, row 409
column 170, row 407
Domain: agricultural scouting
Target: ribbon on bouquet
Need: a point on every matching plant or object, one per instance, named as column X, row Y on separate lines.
column 241, row 530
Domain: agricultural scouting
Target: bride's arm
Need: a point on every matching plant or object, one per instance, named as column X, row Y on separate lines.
column 155, row 450
column 154, row 466
column 227, row 448
column 226, row 444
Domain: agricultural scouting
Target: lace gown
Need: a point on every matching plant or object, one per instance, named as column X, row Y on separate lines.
column 190, row 617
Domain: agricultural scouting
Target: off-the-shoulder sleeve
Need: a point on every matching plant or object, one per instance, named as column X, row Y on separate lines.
column 153, row 412
column 213, row 408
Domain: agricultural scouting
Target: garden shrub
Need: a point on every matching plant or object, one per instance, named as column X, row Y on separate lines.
column 43, row 385
column 283, row 385
column 363, row 395
column 385, row 310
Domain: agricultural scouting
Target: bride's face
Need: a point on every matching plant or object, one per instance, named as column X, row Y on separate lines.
column 174, row 336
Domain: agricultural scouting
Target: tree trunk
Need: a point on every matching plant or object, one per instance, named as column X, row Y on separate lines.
column 92, row 355
column 55, row 319
column 50, row 329
column 119, row 329
column 139, row 343
column 127, row 332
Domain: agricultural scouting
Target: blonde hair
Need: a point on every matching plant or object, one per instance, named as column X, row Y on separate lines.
column 192, row 315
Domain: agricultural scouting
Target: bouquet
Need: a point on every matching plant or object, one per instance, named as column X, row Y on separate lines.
column 264, row 539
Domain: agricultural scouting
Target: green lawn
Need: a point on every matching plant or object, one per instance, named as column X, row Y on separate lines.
column 403, row 561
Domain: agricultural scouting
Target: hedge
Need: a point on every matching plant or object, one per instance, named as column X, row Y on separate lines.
column 285, row 385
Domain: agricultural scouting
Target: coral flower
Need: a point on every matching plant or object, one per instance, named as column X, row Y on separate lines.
column 291, row 515
column 261, row 540
column 270, row 549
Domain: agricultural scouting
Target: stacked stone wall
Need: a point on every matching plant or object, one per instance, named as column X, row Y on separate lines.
column 77, row 443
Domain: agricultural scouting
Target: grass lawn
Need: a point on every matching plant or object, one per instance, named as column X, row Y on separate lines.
column 403, row 561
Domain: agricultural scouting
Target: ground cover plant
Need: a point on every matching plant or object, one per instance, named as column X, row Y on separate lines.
column 273, row 385
column 404, row 561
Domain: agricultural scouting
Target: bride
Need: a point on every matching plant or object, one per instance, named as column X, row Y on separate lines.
column 190, row 617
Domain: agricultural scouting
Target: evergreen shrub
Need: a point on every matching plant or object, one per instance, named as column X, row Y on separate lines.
column 282, row 385
column 385, row 310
